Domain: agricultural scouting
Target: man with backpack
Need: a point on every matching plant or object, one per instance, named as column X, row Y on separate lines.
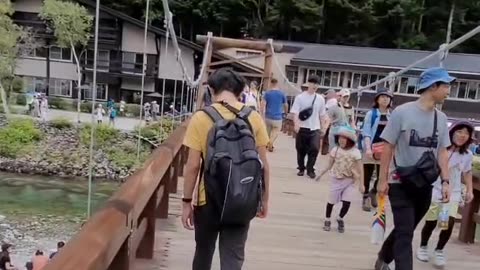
column 227, row 149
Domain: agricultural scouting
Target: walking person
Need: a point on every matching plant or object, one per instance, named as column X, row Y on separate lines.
column 250, row 96
column 112, row 116
column 460, row 167
column 5, row 260
column 310, row 121
column 99, row 113
column 347, row 107
column 345, row 165
column 226, row 202
column 39, row 261
column 339, row 116
column 417, row 137
column 373, row 125
column 43, row 108
column 273, row 107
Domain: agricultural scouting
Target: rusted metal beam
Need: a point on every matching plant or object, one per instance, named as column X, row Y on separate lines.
column 222, row 43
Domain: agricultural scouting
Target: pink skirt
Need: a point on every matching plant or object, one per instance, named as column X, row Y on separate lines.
column 341, row 189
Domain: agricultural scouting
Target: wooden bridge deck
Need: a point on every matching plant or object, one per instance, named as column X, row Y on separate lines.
column 292, row 236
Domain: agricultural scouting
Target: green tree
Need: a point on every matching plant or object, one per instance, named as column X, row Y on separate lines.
column 72, row 24
column 13, row 36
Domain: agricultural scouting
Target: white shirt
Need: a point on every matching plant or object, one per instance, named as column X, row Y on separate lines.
column 331, row 103
column 304, row 101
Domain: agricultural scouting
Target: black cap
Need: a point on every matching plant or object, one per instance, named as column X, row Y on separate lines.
column 314, row 79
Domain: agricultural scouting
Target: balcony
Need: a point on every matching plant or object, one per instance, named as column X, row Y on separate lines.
column 118, row 66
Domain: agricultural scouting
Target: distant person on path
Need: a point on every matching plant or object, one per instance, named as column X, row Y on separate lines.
column 155, row 110
column 99, row 113
column 273, row 107
column 217, row 213
column 5, row 261
column 347, row 107
column 43, row 108
column 250, row 96
column 339, row 116
column 112, row 116
column 310, row 121
column 416, row 139
column 39, row 261
column 373, row 125
column 122, row 107
column 331, row 98
column 60, row 245
column 345, row 165
column 460, row 166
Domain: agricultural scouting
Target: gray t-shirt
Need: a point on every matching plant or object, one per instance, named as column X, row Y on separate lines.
column 410, row 129
column 304, row 101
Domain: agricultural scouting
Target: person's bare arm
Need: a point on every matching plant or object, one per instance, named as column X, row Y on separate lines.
column 468, row 181
column 444, row 175
column 263, row 106
column 329, row 166
column 358, row 175
column 262, row 151
column 385, row 160
column 192, row 168
column 325, row 122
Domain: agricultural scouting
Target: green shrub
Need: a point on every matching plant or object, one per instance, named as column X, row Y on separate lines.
column 59, row 103
column 18, row 85
column 18, row 136
column 476, row 167
column 124, row 155
column 61, row 123
column 21, row 99
column 103, row 136
column 133, row 110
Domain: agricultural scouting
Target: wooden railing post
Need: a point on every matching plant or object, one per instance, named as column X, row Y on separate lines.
column 183, row 160
column 468, row 224
column 147, row 244
column 122, row 259
column 177, row 167
column 162, row 210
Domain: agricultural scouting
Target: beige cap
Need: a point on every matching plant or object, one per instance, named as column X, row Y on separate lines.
column 344, row 92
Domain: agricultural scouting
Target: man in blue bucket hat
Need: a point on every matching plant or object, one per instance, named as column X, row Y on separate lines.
column 417, row 136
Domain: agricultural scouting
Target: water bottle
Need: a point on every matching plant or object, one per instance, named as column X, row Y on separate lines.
column 443, row 218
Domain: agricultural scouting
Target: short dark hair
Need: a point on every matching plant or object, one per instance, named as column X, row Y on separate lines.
column 463, row 149
column 350, row 143
column 226, row 80
column 274, row 81
column 39, row 252
column 314, row 79
column 60, row 244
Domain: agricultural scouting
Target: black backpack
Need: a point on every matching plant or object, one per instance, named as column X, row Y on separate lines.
column 232, row 168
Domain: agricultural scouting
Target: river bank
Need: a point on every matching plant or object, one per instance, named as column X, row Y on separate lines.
column 37, row 212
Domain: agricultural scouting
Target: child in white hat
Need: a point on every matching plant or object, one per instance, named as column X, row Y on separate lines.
column 346, row 168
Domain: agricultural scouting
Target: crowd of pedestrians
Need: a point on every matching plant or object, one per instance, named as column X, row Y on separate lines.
column 420, row 164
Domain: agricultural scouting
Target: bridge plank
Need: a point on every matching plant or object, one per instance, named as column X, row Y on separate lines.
column 292, row 236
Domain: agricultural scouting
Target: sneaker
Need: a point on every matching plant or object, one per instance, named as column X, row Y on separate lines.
column 422, row 254
column 312, row 175
column 327, row 225
column 381, row 265
column 439, row 259
column 366, row 204
column 373, row 199
column 341, row 225
column 301, row 173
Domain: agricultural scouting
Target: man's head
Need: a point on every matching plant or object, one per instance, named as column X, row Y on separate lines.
column 273, row 83
column 6, row 247
column 60, row 244
column 344, row 95
column 313, row 82
column 435, row 83
column 331, row 93
column 226, row 80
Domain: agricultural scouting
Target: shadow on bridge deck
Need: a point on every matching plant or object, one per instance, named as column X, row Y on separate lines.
column 292, row 236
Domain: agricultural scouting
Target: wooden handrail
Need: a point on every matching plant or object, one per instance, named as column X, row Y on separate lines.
column 124, row 229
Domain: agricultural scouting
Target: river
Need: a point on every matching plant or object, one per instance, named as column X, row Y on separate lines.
column 37, row 212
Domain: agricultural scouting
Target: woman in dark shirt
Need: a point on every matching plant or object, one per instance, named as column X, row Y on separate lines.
column 5, row 262
column 375, row 121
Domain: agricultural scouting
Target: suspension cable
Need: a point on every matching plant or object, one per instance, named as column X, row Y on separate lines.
column 144, row 69
column 94, row 97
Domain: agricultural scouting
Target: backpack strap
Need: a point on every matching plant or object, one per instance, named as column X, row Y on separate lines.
column 212, row 113
column 244, row 113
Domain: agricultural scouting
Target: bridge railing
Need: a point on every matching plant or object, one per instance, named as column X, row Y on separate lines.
column 470, row 213
column 124, row 229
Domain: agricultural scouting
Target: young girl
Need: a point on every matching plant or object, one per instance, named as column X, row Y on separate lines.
column 99, row 113
column 345, row 166
column 460, row 164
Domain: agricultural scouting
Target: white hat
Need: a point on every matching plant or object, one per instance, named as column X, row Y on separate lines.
column 344, row 92
column 347, row 132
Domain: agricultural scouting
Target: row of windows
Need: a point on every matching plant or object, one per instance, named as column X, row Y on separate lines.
column 56, row 53
column 62, row 88
column 462, row 89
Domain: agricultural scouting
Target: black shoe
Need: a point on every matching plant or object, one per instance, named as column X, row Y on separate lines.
column 301, row 173
column 381, row 265
column 366, row 204
column 341, row 225
column 327, row 225
column 373, row 199
column 311, row 175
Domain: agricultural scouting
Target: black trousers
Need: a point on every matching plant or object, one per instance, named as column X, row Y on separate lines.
column 231, row 243
column 307, row 144
column 368, row 170
column 408, row 208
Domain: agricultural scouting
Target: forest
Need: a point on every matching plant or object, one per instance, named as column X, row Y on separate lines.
column 411, row 24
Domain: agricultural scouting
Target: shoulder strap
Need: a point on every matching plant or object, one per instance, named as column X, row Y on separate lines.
column 374, row 117
column 244, row 113
column 434, row 124
column 314, row 99
column 212, row 113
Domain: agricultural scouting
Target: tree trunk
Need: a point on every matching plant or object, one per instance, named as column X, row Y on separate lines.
column 3, row 96
column 420, row 19
column 79, row 82
column 180, row 28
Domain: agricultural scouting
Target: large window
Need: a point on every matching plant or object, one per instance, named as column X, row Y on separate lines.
column 103, row 60
column 39, row 52
column 102, row 91
column 132, row 62
column 292, row 73
column 59, row 87
column 465, row 90
column 57, row 53
column 407, row 85
column 35, row 84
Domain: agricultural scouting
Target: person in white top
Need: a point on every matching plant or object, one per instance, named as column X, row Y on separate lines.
column 310, row 122
column 331, row 97
column 43, row 108
column 250, row 96
column 99, row 113
column 460, row 168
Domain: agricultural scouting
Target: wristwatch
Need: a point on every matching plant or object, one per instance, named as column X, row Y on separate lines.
column 187, row 200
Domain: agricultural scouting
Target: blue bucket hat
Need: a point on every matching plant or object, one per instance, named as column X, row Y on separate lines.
column 382, row 91
column 433, row 75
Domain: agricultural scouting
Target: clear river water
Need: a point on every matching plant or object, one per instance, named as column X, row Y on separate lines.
column 37, row 212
